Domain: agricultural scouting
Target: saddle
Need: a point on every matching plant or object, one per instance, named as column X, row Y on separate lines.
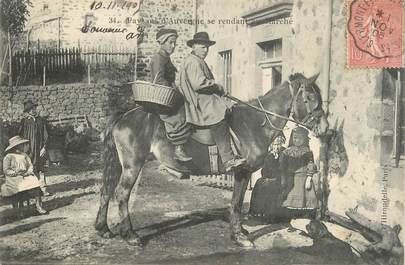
column 201, row 146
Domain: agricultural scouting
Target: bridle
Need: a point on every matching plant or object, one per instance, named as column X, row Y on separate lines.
column 313, row 114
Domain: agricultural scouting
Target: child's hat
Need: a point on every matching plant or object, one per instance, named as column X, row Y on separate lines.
column 14, row 141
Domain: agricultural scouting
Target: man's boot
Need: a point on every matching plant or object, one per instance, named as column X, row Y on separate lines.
column 222, row 139
column 180, row 154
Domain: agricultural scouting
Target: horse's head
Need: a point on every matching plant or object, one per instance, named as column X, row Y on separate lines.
column 307, row 103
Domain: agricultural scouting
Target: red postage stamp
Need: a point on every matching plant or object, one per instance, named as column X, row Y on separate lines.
column 375, row 33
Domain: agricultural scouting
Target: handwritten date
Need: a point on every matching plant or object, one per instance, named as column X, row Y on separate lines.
column 117, row 5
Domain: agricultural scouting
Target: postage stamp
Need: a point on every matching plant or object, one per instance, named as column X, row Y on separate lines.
column 375, row 33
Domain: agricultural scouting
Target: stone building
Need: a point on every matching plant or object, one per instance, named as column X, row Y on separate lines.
column 279, row 38
column 59, row 23
column 160, row 13
column 253, row 40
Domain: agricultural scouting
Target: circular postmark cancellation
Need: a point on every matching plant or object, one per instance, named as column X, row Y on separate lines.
column 375, row 30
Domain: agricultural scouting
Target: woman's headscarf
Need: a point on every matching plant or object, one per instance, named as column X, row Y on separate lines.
column 300, row 131
column 163, row 34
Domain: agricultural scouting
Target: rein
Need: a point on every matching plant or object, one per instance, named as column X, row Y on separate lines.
column 267, row 117
column 266, row 111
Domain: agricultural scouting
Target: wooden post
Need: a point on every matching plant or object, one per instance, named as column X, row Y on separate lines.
column 10, row 77
column 88, row 74
column 136, row 62
column 397, row 127
column 323, row 171
column 44, row 76
column 4, row 60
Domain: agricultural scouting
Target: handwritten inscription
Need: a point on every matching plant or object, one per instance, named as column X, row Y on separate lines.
column 129, row 35
column 117, row 5
column 130, row 7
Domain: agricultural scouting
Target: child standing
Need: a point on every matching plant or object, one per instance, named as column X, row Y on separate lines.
column 297, row 168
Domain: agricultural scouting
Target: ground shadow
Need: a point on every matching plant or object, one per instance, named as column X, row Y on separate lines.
column 27, row 227
column 64, row 201
column 192, row 219
column 16, row 214
column 71, row 185
column 266, row 230
column 281, row 256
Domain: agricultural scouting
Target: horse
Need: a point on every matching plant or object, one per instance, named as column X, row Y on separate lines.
column 131, row 136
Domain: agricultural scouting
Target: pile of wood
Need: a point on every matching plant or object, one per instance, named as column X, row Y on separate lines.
column 382, row 247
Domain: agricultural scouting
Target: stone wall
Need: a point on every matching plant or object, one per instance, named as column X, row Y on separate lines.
column 157, row 14
column 96, row 101
column 355, row 98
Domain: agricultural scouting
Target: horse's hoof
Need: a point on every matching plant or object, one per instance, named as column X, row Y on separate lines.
column 106, row 234
column 242, row 240
column 134, row 241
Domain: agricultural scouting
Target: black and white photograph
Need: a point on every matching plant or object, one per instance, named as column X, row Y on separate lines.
column 212, row 132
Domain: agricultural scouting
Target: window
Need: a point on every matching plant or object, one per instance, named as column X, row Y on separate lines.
column 272, row 49
column 45, row 7
column 270, row 62
column 226, row 65
column 393, row 112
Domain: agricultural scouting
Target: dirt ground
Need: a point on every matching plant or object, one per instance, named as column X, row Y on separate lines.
column 181, row 223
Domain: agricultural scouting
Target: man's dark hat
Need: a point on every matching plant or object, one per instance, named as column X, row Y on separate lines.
column 202, row 38
column 162, row 32
column 29, row 105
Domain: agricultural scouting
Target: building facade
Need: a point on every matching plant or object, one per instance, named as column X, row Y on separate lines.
column 264, row 50
column 62, row 23
column 253, row 41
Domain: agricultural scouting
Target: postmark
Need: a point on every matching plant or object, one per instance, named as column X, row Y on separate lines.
column 375, row 33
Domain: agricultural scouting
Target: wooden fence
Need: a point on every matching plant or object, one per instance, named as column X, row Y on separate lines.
column 46, row 63
column 107, row 56
column 224, row 181
column 31, row 64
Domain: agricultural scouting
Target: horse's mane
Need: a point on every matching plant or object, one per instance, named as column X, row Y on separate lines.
column 294, row 79
column 299, row 77
column 273, row 90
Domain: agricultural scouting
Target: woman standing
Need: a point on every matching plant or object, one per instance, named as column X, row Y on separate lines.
column 21, row 183
column 163, row 72
column 297, row 168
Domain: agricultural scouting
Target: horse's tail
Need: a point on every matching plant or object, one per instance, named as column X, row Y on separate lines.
column 112, row 166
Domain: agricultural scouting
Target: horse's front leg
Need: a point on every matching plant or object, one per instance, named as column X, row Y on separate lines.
column 128, row 178
column 241, row 180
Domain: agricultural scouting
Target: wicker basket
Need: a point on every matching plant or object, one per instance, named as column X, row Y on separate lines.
column 149, row 94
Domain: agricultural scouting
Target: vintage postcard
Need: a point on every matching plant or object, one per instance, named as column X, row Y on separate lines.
column 202, row 132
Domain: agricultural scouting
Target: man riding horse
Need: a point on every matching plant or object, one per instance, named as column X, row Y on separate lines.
column 205, row 106
column 127, row 144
